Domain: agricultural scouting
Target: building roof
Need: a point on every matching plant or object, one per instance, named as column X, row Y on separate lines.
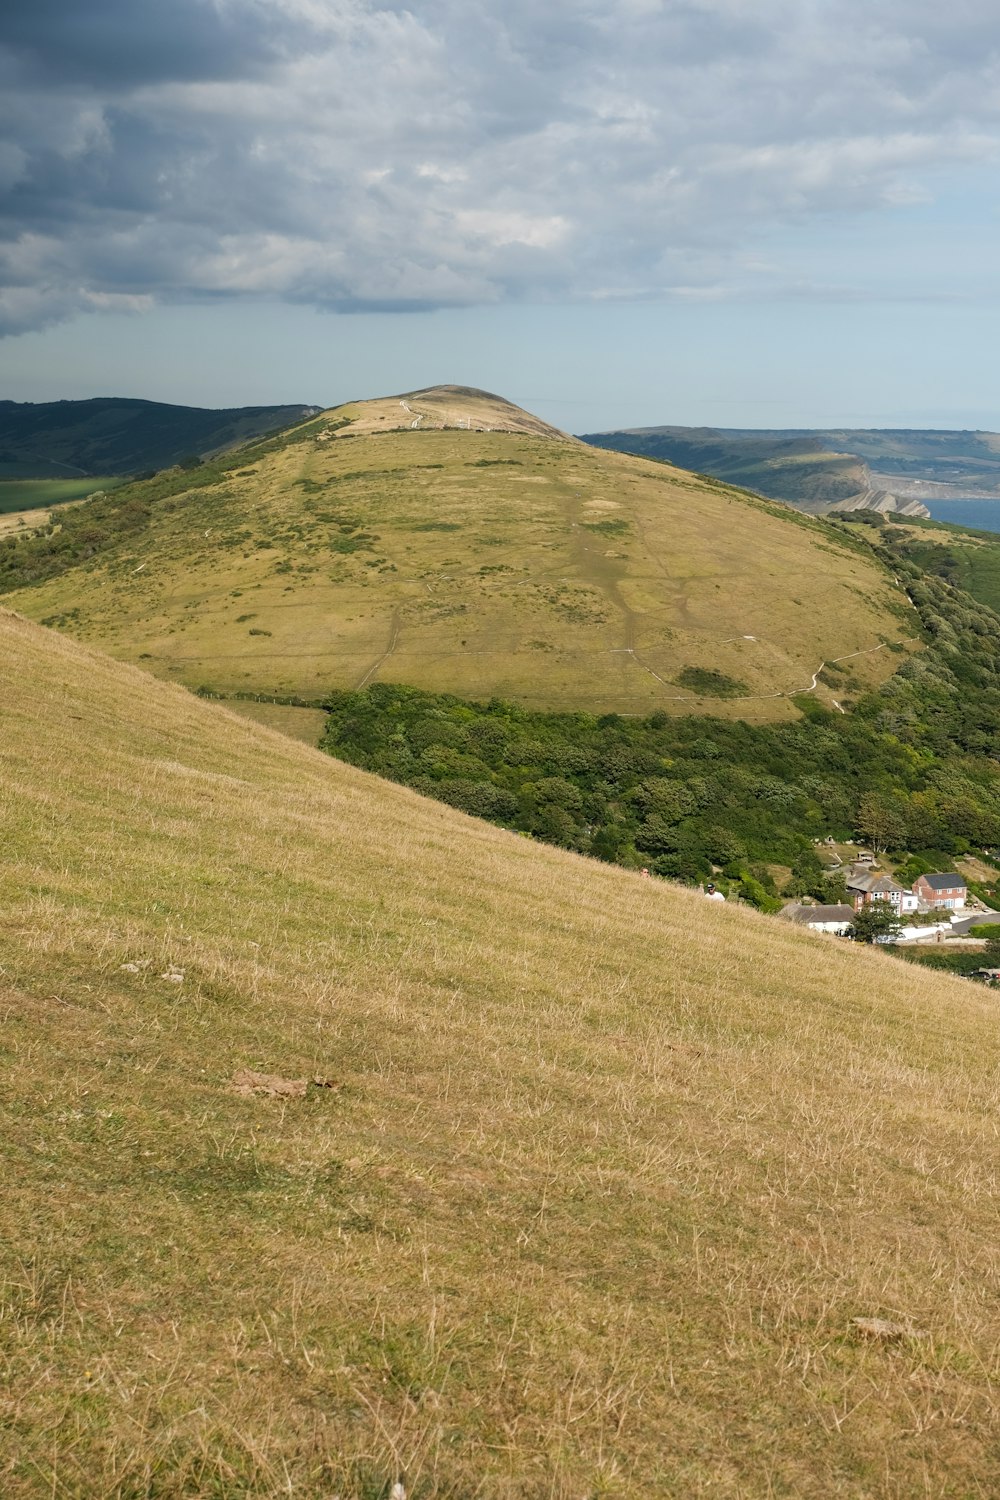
column 808, row 914
column 944, row 882
column 879, row 885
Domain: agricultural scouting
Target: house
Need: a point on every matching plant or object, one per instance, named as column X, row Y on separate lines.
column 836, row 919
column 863, row 889
column 941, row 891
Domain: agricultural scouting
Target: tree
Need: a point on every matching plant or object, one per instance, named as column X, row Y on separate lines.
column 751, row 891
column 875, row 921
column 878, row 822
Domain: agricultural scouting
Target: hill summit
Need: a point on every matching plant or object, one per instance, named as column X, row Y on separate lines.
column 448, row 540
column 439, row 407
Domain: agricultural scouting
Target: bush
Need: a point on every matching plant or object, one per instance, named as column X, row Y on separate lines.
column 706, row 682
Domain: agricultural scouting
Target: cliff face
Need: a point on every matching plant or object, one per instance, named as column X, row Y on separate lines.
column 882, row 501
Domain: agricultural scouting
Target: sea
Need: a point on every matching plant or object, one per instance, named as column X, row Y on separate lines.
column 982, row 515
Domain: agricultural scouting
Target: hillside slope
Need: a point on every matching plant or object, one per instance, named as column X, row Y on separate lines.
column 604, row 1177
column 117, row 435
column 457, row 558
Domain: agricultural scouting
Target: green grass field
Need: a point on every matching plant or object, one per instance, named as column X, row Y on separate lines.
column 602, row 1180
column 970, row 559
column 37, row 494
column 481, row 562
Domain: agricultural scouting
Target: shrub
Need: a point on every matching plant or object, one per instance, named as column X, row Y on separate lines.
column 706, row 682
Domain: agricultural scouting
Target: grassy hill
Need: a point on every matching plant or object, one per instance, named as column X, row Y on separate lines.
column 604, row 1177
column 114, row 435
column 478, row 552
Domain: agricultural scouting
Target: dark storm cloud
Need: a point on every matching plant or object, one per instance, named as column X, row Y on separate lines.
column 355, row 155
column 121, row 43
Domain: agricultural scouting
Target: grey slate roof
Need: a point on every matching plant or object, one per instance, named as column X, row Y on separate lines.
column 944, row 882
column 806, row 914
column 880, row 885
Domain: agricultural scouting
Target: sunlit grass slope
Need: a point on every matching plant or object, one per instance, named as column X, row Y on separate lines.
column 459, row 558
column 605, row 1177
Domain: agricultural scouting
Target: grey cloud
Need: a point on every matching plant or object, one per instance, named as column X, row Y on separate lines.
column 355, row 155
column 121, row 43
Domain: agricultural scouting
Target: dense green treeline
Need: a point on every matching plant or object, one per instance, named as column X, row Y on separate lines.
column 912, row 768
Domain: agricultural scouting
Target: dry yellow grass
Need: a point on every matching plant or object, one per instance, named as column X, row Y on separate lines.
column 513, row 562
column 607, row 1174
column 23, row 520
column 305, row 724
column 442, row 406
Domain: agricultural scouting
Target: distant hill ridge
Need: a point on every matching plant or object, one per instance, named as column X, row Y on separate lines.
column 118, row 435
column 819, row 470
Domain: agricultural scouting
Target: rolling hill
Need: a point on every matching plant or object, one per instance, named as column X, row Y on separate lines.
column 114, row 435
column 449, row 540
column 885, row 469
column 796, row 467
column 600, row 1189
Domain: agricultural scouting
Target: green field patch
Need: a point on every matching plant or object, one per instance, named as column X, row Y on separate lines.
column 611, row 527
column 361, row 541
column 38, row 494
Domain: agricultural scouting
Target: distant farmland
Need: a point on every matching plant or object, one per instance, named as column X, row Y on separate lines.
column 38, row 494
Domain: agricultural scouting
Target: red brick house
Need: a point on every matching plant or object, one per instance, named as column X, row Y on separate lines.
column 945, row 891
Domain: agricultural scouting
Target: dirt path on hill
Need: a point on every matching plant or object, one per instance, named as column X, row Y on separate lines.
column 394, row 629
column 602, row 572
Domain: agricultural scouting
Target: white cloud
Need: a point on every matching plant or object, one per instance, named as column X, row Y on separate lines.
column 499, row 228
column 357, row 154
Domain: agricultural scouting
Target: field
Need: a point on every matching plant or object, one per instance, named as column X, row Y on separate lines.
column 40, row 494
column 970, row 559
column 483, row 562
column 596, row 1179
column 23, row 521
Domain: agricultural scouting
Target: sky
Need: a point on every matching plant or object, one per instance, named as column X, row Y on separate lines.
column 615, row 212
